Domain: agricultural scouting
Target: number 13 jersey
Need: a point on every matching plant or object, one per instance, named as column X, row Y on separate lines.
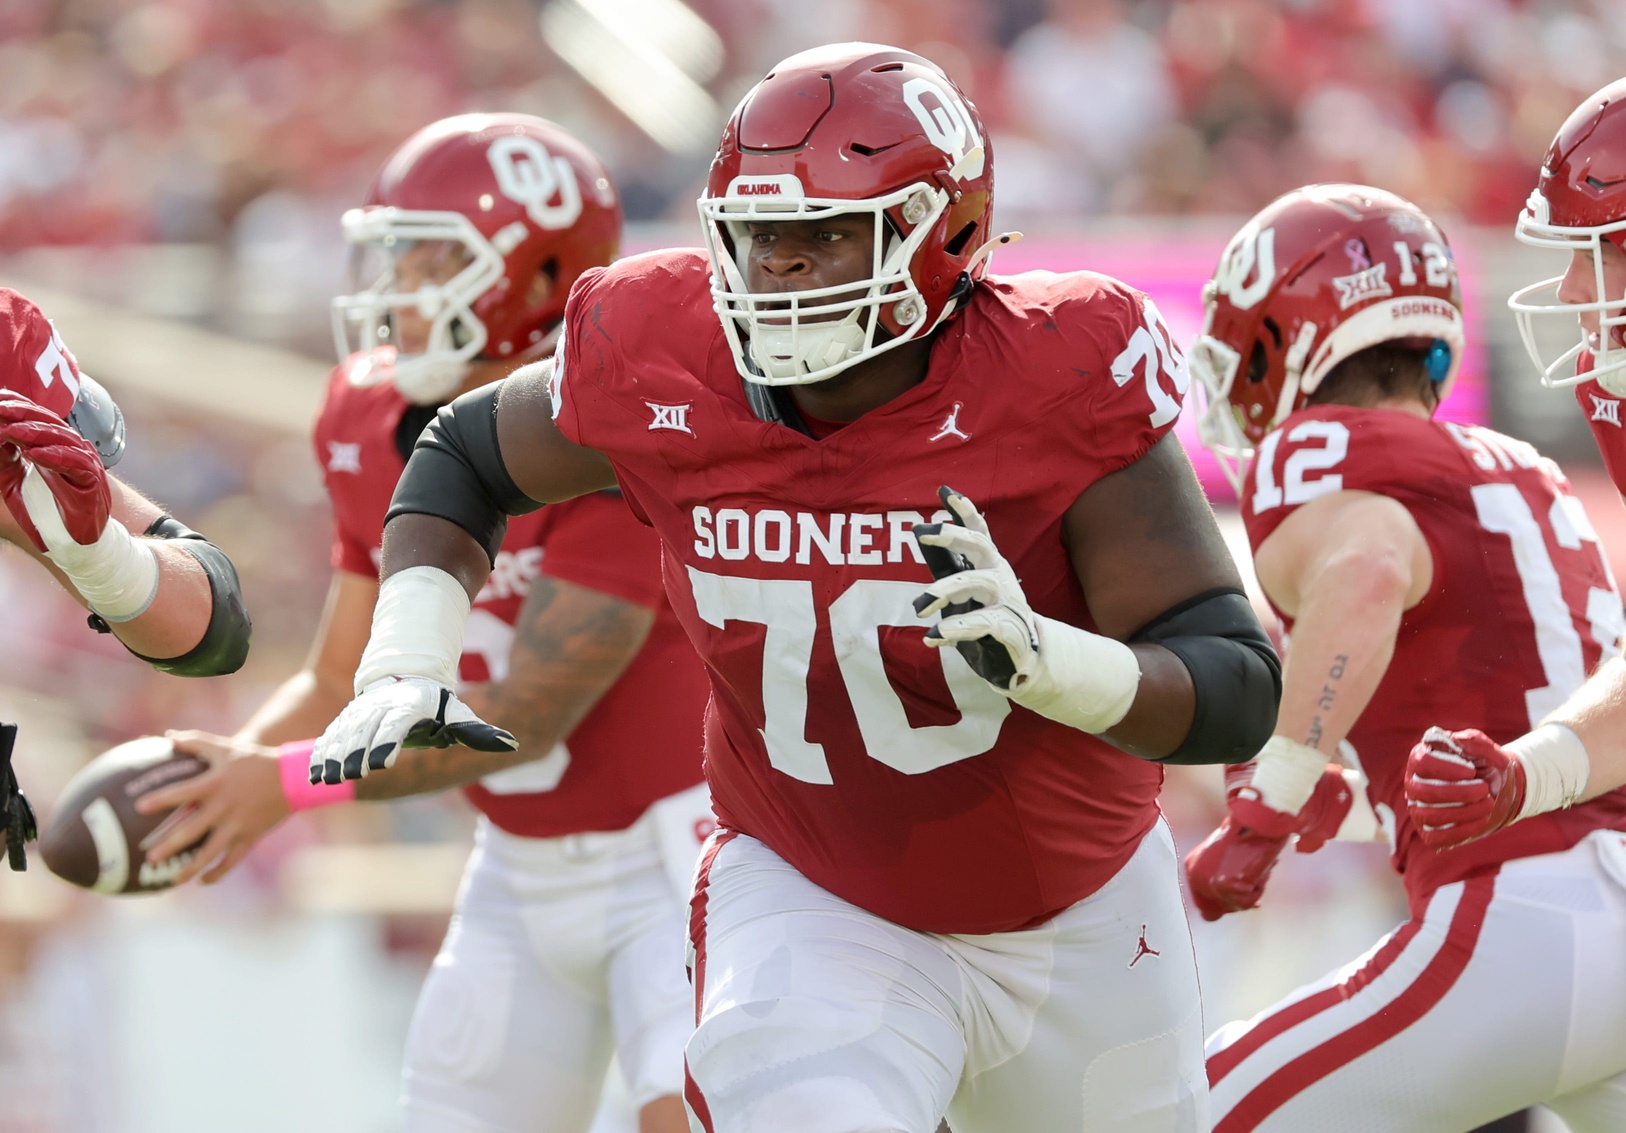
column 884, row 770
column 1521, row 608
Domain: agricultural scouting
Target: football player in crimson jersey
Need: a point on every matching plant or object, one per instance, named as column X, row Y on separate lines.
column 168, row 595
column 568, row 938
column 941, row 882
column 1467, row 786
column 1426, row 572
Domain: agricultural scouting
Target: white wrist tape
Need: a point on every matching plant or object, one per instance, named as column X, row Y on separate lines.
column 1556, row 768
column 1285, row 774
column 417, row 628
column 1083, row 680
column 1361, row 823
column 117, row 575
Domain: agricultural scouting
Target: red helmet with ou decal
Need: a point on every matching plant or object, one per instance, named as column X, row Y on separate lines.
column 1579, row 202
column 1320, row 274
column 516, row 195
column 843, row 129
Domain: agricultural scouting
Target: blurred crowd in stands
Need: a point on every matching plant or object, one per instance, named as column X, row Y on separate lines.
column 224, row 120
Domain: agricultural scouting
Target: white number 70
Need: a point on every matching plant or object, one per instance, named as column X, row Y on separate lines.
column 785, row 607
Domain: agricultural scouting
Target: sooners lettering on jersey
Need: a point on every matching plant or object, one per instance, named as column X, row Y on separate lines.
column 1522, row 606
column 641, row 741
column 33, row 359
column 1602, row 410
column 884, row 770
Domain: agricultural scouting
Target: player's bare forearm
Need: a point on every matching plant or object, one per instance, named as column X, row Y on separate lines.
column 571, row 644
column 1342, row 643
column 179, row 614
column 299, row 708
column 1143, row 541
column 1597, row 714
column 1346, row 567
column 307, row 702
column 425, row 540
column 1165, row 702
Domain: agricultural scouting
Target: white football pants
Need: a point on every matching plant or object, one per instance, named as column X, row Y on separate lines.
column 1509, row 991
column 561, row 950
column 819, row 1017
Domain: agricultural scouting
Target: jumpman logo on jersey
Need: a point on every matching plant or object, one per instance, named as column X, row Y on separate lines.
column 951, row 425
column 1142, row 949
column 1605, row 409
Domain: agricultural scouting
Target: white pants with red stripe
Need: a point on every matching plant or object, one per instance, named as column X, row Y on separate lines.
column 819, row 1017
column 562, row 951
column 1508, row 992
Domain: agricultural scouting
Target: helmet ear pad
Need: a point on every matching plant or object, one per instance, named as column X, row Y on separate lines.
column 1437, row 362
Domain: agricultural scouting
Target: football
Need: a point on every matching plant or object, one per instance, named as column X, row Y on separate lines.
column 94, row 837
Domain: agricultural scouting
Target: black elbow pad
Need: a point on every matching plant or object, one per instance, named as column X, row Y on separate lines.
column 224, row 645
column 456, row 472
column 1234, row 670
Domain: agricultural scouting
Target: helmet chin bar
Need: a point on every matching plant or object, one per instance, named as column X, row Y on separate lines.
column 1541, row 300
column 456, row 333
column 800, row 337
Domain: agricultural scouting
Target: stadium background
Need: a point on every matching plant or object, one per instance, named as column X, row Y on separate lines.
column 171, row 174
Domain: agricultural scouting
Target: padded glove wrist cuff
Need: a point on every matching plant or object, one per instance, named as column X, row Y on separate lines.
column 1285, row 774
column 1083, row 679
column 1556, row 768
column 417, row 628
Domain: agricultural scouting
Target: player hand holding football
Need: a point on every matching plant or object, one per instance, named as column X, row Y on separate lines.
column 1062, row 672
column 57, row 490
column 404, row 685
column 229, row 807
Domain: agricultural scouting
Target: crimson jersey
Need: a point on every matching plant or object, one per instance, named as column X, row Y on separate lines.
column 1603, row 417
column 641, row 741
column 884, row 770
column 33, row 360
column 1521, row 607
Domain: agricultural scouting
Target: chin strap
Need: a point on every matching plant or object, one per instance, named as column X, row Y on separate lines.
column 774, row 405
column 989, row 248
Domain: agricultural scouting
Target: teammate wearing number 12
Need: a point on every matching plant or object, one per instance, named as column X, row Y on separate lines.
column 941, row 882
column 1429, row 572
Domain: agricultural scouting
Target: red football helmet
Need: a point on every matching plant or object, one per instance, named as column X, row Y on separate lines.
column 1319, row 274
column 1580, row 202
column 517, row 195
column 849, row 128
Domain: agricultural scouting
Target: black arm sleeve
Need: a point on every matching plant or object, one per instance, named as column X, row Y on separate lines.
column 456, row 472
column 1234, row 671
column 224, row 645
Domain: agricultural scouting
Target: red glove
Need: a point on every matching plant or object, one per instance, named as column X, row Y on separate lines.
column 1229, row 869
column 1461, row 786
column 68, row 464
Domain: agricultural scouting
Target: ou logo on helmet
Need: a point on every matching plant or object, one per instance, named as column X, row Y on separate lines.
column 948, row 125
column 1250, row 253
column 529, row 175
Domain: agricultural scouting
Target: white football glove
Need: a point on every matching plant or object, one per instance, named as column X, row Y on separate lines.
column 393, row 713
column 1062, row 672
column 404, row 694
column 981, row 596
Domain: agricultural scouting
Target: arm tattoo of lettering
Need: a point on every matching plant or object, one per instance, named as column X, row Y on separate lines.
column 1327, row 698
column 571, row 644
